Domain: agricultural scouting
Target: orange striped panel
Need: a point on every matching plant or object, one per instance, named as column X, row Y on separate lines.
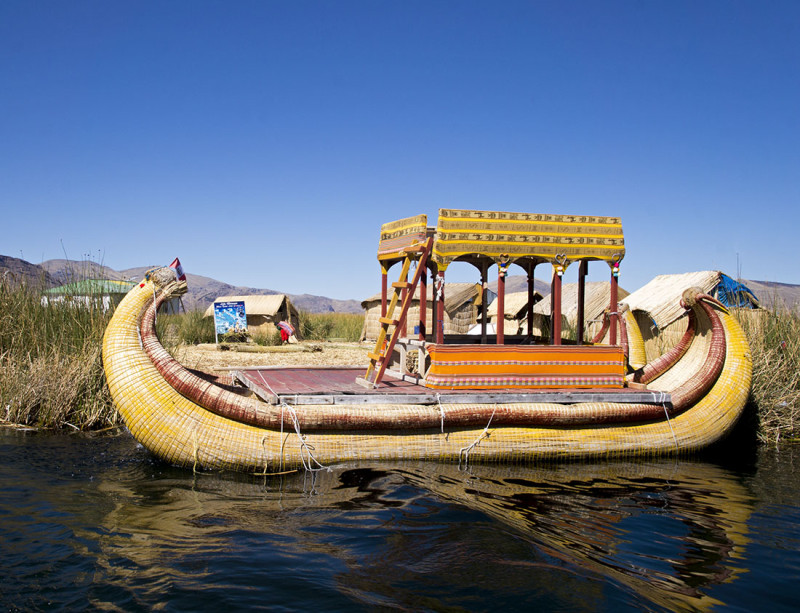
column 525, row 367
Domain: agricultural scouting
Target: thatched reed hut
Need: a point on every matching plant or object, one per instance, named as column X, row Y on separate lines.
column 263, row 312
column 515, row 309
column 597, row 298
column 656, row 305
column 462, row 302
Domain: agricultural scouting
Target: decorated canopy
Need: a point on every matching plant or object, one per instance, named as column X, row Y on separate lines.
column 502, row 238
column 398, row 235
column 511, row 237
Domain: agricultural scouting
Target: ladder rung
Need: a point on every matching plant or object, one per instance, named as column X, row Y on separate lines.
column 375, row 356
column 401, row 284
column 388, row 321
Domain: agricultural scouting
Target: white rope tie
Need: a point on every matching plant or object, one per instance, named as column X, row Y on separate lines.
column 661, row 399
column 465, row 451
column 441, row 409
column 308, row 463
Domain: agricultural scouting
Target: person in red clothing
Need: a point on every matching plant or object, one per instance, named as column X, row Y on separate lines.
column 286, row 329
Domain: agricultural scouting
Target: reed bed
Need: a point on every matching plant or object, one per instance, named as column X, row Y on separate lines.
column 775, row 346
column 51, row 372
column 331, row 326
column 188, row 328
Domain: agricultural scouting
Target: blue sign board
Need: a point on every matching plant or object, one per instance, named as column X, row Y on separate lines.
column 230, row 317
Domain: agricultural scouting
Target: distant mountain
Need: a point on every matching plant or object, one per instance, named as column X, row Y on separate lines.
column 772, row 295
column 68, row 271
column 202, row 290
column 17, row 271
column 519, row 283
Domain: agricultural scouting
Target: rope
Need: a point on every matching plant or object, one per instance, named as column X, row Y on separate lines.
column 441, row 413
column 307, row 464
column 194, row 450
column 661, row 399
column 465, row 451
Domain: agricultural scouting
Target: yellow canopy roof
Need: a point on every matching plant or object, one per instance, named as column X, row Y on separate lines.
column 499, row 237
column 510, row 237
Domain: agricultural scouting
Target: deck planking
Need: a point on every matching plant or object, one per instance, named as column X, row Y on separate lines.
column 308, row 385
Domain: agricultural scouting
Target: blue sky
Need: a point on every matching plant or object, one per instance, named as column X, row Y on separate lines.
column 265, row 142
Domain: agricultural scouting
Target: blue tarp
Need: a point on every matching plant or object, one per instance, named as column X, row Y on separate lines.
column 731, row 293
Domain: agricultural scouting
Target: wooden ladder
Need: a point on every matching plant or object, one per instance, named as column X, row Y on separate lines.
column 379, row 359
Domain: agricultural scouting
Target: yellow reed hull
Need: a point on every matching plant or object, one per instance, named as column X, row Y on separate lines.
column 181, row 432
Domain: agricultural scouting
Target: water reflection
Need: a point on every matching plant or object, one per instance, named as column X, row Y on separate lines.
column 667, row 531
column 418, row 535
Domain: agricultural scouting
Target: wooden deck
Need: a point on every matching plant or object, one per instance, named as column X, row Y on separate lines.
column 307, row 385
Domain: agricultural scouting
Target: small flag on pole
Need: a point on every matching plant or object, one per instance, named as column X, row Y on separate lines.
column 176, row 265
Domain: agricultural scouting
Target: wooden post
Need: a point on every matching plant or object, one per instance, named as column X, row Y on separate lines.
column 440, row 307
column 613, row 307
column 529, row 308
column 423, row 303
column 403, row 295
column 484, row 306
column 384, row 284
column 501, row 303
column 583, row 269
column 555, row 307
column 434, row 303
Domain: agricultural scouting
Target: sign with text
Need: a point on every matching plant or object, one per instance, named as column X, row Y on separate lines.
column 229, row 317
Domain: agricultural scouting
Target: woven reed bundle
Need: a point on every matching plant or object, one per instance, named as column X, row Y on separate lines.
column 182, row 432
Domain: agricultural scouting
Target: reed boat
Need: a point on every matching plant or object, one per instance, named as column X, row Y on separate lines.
column 531, row 397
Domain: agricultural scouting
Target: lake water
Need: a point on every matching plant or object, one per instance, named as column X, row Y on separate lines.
column 93, row 522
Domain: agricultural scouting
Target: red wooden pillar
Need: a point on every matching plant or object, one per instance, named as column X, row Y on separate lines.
column 501, row 303
column 555, row 307
column 384, row 285
column 403, row 295
column 440, row 307
column 529, row 308
column 484, row 306
column 423, row 302
column 614, row 306
column 583, row 269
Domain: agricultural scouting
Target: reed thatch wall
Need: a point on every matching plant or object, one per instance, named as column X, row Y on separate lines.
column 461, row 309
column 661, row 318
column 597, row 300
column 263, row 312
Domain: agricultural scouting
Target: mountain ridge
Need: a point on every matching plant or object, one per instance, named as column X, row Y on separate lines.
column 204, row 290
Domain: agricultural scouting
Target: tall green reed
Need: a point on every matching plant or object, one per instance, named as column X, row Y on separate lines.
column 51, row 372
column 775, row 348
column 330, row 326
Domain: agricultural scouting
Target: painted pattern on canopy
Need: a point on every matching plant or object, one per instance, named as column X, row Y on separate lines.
column 559, row 239
column 400, row 234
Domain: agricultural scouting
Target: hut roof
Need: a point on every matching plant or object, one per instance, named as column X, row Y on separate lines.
column 514, row 303
column 661, row 296
column 455, row 295
column 269, row 304
column 596, row 300
column 92, row 287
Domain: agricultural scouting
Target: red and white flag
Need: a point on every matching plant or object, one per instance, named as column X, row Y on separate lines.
column 176, row 264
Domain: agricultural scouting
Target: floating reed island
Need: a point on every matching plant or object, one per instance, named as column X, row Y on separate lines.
column 486, row 397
